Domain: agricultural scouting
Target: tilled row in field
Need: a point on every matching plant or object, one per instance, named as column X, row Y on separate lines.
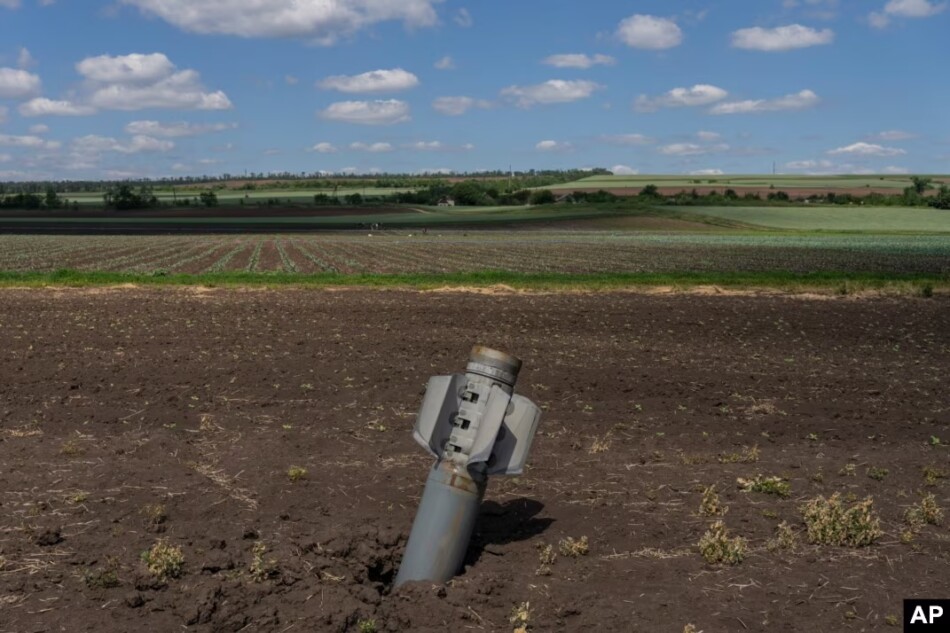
column 531, row 252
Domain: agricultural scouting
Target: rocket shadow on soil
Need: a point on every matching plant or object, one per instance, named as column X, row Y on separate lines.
column 500, row 524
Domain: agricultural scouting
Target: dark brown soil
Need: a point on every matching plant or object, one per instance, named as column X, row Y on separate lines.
column 128, row 416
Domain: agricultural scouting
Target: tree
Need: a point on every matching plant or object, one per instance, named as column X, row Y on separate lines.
column 921, row 184
column 942, row 199
column 354, row 199
column 543, row 196
column 469, row 194
column 209, row 198
column 52, row 200
column 650, row 191
column 123, row 198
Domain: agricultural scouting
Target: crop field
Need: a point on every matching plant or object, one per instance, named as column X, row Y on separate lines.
column 738, row 182
column 834, row 218
column 241, row 460
column 544, row 251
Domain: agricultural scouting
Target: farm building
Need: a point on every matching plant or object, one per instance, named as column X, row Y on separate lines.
column 446, row 202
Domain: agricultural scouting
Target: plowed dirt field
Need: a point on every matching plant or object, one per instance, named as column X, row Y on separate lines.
column 130, row 417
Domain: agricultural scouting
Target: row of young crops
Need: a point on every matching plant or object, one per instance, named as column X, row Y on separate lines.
column 541, row 251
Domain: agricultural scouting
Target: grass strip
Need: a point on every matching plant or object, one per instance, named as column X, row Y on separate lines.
column 841, row 283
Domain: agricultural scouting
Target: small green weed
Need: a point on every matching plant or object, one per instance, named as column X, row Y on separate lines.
column 572, row 548
column 296, row 473
column 366, row 626
column 164, row 560
column 748, row 455
column 829, row 523
column 927, row 512
column 785, row 538
column 710, row 506
column 877, row 474
column 260, row 568
column 717, row 547
column 766, row 485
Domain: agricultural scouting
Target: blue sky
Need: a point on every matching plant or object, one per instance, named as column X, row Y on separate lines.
column 133, row 88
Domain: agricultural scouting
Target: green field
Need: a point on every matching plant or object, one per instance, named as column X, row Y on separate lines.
column 897, row 183
column 833, row 218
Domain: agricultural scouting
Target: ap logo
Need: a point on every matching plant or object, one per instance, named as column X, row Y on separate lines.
column 927, row 615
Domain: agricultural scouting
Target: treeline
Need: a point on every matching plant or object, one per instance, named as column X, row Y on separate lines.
column 20, row 200
column 909, row 197
column 314, row 180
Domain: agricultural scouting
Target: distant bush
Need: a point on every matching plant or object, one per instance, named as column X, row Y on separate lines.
column 942, row 199
column 123, row 198
column 544, row 196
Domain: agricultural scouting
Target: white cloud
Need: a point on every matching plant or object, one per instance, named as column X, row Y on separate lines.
column 692, row 149
column 892, row 136
column 324, row 148
column 895, row 170
column 39, row 128
column 388, row 112
column 650, row 32
column 177, row 129
column 707, row 172
column 10, row 4
column 5, row 158
column 31, row 141
column 623, row 170
column 137, row 144
column 394, row 80
column 798, row 101
column 41, row 106
column 905, row 9
column 553, row 146
column 782, row 38
column 627, row 139
column 25, row 59
column 427, row 146
column 708, row 136
column 18, row 84
column 134, row 68
column 698, row 95
column 463, row 18
column 579, row 60
column 3, row 114
column 809, row 164
column 914, row 8
column 456, row 106
column 181, row 91
column 867, row 149
column 446, row 63
column 318, row 20
column 132, row 82
column 376, row 148
column 291, row 80
column 553, row 91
